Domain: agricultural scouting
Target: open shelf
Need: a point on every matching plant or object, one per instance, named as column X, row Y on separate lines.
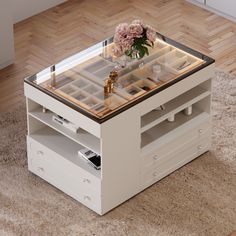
column 172, row 107
column 64, row 147
column 82, row 137
column 160, row 132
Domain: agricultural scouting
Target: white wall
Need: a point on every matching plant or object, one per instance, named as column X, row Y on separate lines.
column 12, row 11
column 227, row 6
column 22, row 9
column 6, row 35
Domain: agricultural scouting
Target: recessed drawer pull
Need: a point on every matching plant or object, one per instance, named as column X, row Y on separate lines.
column 155, row 174
column 200, row 147
column 40, row 169
column 40, row 153
column 86, row 181
column 87, row 198
column 200, row 131
column 155, row 157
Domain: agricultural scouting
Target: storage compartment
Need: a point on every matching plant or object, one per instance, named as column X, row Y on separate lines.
column 127, row 80
column 82, row 137
column 177, row 61
column 193, row 96
column 51, row 143
column 80, row 83
column 79, row 95
column 165, row 129
column 68, row 89
column 91, row 89
column 91, row 102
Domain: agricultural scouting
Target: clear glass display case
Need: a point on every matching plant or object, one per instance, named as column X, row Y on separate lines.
column 79, row 80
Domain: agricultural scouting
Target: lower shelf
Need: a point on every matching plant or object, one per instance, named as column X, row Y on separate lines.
column 166, row 130
column 64, row 147
column 83, row 137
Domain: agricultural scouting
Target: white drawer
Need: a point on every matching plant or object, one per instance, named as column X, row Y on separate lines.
column 197, row 132
column 173, row 160
column 64, row 175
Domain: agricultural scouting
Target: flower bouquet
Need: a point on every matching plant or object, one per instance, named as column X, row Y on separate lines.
column 133, row 40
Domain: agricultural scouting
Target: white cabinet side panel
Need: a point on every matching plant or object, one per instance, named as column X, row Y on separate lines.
column 120, row 158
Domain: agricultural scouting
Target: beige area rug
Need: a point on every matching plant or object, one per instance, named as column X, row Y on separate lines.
column 198, row 199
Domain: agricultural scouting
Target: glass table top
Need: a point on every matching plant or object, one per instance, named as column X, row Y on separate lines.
column 79, row 80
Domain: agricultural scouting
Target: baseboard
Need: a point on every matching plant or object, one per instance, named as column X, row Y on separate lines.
column 213, row 10
column 5, row 64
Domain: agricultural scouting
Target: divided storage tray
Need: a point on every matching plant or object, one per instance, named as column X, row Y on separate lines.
column 83, row 84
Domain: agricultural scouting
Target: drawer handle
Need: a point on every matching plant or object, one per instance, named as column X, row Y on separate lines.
column 155, row 174
column 155, row 157
column 40, row 153
column 40, row 169
column 200, row 147
column 200, row 131
column 86, row 181
column 87, row 198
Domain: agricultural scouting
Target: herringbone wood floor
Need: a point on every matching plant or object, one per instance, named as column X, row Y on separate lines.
column 47, row 38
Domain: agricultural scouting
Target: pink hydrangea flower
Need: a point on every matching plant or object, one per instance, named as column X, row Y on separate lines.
column 135, row 31
column 125, row 36
column 151, row 34
column 139, row 22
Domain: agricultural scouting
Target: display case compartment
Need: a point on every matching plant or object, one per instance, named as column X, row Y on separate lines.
column 177, row 61
column 97, row 65
column 170, row 57
column 183, row 63
column 158, row 78
column 100, row 95
column 133, row 91
column 80, row 83
column 90, row 102
column 61, row 80
column 98, row 70
column 67, row 89
column 158, row 53
column 163, row 76
column 127, row 80
column 92, row 88
column 104, row 72
column 114, row 101
column 80, row 95
column 145, row 84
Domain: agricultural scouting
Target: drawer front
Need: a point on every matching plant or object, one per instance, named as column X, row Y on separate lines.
column 175, row 159
column 64, row 175
column 198, row 132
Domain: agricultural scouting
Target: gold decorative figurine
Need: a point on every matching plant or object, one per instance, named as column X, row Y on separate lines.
column 110, row 82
